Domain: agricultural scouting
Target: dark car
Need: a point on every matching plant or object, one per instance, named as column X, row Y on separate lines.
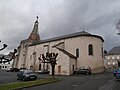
column 116, row 73
column 43, row 71
column 12, row 70
column 26, row 75
column 83, row 70
column 21, row 69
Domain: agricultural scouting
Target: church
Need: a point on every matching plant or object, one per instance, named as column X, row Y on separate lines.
column 74, row 50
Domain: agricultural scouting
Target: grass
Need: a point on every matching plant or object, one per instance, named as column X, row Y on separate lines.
column 20, row 85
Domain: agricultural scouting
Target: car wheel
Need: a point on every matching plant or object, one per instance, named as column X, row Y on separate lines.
column 17, row 78
column 35, row 78
column 87, row 73
column 24, row 79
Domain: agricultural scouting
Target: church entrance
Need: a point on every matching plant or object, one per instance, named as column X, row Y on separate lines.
column 59, row 69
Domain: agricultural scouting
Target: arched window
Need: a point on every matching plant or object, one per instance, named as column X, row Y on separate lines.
column 102, row 51
column 77, row 52
column 90, row 49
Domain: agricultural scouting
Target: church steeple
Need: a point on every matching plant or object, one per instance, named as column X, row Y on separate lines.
column 34, row 36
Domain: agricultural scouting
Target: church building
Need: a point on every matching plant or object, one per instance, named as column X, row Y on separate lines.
column 74, row 50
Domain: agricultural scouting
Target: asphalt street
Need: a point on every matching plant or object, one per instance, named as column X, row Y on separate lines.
column 104, row 81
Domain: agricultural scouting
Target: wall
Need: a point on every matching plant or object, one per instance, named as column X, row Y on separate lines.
column 95, row 61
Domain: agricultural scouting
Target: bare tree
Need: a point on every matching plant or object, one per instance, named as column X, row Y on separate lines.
column 3, row 59
column 49, row 58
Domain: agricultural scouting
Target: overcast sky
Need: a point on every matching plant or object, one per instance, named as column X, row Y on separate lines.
column 58, row 17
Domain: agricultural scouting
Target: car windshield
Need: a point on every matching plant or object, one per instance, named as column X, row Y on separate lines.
column 28, row 71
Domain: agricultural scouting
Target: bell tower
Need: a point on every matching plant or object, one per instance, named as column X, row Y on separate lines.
column 34, row 36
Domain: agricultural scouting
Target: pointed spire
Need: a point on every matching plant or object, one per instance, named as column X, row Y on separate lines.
column 37, row 20
column 34, row 36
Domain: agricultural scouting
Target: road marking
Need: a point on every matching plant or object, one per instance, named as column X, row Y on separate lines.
column 74, row 85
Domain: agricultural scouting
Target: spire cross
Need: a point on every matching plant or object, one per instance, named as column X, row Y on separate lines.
column 37, row 18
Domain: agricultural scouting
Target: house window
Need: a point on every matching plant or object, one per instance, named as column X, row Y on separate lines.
column 77, row 52
column 118, row 57
column 90, row 49
column 113, row 57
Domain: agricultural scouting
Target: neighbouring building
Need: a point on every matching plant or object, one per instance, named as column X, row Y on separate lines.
column 74, row 50
column 112, row 58
column 6, row 65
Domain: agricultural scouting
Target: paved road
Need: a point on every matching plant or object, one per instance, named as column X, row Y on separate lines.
column 104, row 81
column 7, row 77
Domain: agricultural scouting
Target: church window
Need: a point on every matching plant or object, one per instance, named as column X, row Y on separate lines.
column 73, row 67
column 39, row 66
column 102, row 51
column 30, row 57
column 90, row 49
column 46, row 48
column 77, row 52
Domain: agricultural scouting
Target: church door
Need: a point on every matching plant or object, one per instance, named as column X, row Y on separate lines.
column 59, row 69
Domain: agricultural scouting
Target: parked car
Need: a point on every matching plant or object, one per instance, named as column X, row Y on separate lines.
column 116, row 73
column 12, row 70
column 8, row 69
column 26, row 75
column 21, row 69
column 83, row 70
column 43, row 71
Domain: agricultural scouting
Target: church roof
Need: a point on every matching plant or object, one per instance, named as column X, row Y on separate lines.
column 82, row 33
column 34, row 36
column 67, row 53
column 114, row 51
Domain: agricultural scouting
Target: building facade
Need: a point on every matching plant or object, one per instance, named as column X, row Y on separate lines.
column 112, row 58
column 74, row 50
column 6, row 65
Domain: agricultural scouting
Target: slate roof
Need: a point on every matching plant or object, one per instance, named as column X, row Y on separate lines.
column 82, row 33
column 114, row 51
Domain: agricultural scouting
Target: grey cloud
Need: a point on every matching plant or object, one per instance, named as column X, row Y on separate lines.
column 58, row 17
